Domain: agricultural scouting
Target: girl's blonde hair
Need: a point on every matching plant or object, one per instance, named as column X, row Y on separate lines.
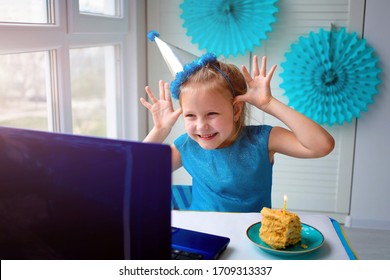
column 232, row 83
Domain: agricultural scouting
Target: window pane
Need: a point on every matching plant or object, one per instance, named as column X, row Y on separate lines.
column 25, row 11
column 100, row 7
column 93, row 90
column 24, row 83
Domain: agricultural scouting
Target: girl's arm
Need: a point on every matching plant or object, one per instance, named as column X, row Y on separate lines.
column 164, row 118
column 305, row 139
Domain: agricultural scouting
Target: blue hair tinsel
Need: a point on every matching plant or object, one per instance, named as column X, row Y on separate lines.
column 191, row 68
column 188, row 70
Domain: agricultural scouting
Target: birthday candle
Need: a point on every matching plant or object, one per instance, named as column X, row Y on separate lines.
column 284, row 203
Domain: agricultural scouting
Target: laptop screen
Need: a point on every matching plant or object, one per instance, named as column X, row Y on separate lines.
column 74, row 197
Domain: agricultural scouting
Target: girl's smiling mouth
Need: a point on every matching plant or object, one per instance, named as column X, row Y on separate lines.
column 207, row 136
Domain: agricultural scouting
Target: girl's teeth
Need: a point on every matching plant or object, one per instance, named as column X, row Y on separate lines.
column 207, row 136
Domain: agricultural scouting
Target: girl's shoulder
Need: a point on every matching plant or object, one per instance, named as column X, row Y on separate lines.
column 257, row 135
column 257, row 130
column 181, row 140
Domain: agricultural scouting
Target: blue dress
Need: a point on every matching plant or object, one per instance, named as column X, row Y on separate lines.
column 237, row 178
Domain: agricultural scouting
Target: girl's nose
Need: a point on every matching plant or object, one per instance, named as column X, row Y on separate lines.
column 202, row 124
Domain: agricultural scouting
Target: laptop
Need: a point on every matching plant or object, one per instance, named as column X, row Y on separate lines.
column 194, row 245
column 75, row 197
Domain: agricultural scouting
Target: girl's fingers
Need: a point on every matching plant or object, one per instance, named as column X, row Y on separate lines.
column 167, row 92
column 255, row 66
column 161, row 89
column 247, row 76
column 145, row 103
column 150, row 94
column 263, row 68
column 271, row 72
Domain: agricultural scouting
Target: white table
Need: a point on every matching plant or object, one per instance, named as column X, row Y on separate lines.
column 234, row 226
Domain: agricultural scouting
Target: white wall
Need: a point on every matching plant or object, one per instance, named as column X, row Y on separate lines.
column 370, row 205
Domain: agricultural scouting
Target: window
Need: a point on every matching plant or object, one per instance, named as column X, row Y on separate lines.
column 63, row 63
column 26, row 11
column 24, row 87
column 100, row 7
column 93, row 81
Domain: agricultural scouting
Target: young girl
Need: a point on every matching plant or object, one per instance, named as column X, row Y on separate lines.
column 230, row 163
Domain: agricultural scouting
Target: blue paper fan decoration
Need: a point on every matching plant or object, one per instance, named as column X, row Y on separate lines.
column 330, row 76
column 228, row 27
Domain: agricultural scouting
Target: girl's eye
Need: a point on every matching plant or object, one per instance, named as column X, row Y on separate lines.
column 191, row 116
column 212, row 114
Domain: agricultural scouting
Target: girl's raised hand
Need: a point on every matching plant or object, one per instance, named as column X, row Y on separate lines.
column 259, row 89
column 164, row 116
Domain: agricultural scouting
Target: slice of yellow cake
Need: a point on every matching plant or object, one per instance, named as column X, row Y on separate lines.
column 280, row 228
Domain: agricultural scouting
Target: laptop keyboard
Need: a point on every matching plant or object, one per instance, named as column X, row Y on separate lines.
column 183, row 255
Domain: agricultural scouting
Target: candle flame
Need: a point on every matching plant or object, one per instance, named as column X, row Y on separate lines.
column 285, row 198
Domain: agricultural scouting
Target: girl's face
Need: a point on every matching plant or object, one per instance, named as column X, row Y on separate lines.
column 208, row 116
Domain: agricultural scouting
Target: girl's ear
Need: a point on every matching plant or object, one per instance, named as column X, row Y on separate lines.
column 237, row 109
